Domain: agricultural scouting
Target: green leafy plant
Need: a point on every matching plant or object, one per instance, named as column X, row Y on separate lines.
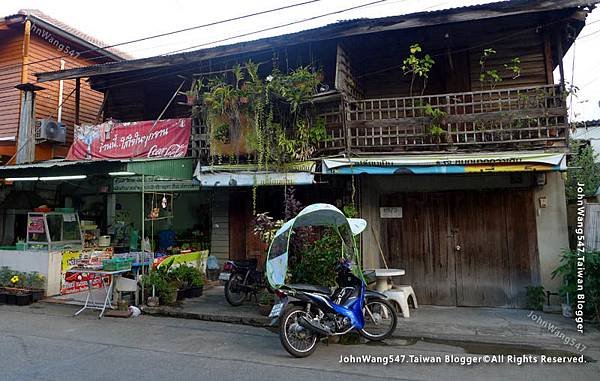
column 34, row 280
column 535, row 297
column 316, row 264
column 514, row 67
column 488, row 76
column 5, row 274
column 264, row 227
column 418, row 66
column 265, row 298
column 568, row 272
column 278, row 109
column 437, row 119
column 186, row 276
column 582, row 169
column 163, row 284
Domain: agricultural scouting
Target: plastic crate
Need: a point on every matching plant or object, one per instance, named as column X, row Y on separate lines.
column 116, row 264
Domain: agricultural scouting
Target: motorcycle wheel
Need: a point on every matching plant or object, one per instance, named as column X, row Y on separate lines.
column 380, row 319
column 233, row 293
column 297, row 341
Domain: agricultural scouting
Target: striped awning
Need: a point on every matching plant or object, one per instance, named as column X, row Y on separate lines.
column 447, row 163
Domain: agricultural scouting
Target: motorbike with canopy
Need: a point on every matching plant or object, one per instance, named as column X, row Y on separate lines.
column 307, row 313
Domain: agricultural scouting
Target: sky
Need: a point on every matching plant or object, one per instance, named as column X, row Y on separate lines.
column 116, row 21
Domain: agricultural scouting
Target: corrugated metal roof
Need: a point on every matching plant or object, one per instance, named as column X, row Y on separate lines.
column 36, row 14
column 361, row 26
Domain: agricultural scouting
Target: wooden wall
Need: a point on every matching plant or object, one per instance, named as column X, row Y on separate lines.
column 11, row 47
column 47, row 100
column 456, row 49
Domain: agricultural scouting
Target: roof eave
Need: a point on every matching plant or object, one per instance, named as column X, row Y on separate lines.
column 409, row 21
column 66, row 35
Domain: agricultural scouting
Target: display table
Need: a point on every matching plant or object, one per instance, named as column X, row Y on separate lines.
column 108, row 288
column 382, row 276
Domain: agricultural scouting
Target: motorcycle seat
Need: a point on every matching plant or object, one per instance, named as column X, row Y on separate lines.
column 311, row 288
column 246, row 263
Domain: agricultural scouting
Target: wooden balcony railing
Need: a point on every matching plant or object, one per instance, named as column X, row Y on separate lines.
column 503, row 119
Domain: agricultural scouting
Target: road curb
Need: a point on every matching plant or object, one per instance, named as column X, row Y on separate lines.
column 232, row 319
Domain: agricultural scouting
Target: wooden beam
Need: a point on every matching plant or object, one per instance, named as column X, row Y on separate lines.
column 560, row 54
column 77, row 99
column 548, row 61
column 338, row 30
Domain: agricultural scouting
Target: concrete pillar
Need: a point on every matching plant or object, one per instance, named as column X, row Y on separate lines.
column 26, row 136
column 369, row 210
column 552, row 231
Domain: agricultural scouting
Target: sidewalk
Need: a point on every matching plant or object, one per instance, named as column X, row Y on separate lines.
column 499, row 326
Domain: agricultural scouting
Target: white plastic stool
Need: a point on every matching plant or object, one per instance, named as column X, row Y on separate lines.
column 400, row 295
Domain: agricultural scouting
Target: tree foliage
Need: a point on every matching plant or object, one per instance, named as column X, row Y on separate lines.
column 582, row 169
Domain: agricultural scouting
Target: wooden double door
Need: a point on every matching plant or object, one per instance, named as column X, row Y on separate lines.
column 467, row 248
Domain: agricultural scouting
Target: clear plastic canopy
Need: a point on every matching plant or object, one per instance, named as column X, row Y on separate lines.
column 312, row 215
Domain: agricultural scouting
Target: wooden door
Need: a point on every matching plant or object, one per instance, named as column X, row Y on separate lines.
column 480, row 249
column 419, row 243
column 464, row 248
column 239, row 212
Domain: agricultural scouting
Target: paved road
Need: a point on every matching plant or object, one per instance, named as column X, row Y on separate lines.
column 43, row 342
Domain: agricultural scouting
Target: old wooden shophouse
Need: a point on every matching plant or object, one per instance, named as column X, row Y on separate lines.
column 31, row 42
column 447, row 129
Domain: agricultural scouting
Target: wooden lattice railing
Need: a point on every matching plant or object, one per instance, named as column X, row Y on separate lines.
column 503, row 119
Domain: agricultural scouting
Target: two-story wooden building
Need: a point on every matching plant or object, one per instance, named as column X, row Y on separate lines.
column 459, row 177
column 30, row 42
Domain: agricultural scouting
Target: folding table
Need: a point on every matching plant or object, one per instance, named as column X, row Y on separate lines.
column 108, row 288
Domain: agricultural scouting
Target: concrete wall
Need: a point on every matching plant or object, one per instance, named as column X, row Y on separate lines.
column 552, row 229
column 40, row 261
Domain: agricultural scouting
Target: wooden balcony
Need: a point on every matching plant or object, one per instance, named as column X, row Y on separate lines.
column 505, row 119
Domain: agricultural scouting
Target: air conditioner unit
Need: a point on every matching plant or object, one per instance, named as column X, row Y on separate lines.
column 52, row 131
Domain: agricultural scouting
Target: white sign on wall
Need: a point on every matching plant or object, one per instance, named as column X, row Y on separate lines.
column 390, row 212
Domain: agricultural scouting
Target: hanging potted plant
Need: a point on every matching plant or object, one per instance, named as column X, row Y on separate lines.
column 192, row 93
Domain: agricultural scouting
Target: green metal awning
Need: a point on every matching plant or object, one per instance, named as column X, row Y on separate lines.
column 176, row 169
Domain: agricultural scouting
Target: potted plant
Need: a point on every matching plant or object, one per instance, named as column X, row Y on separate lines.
column 35, row 282
column 16, row 294
column 192, row 93
column 161, row 283
column 196, row 283
column 265, row 303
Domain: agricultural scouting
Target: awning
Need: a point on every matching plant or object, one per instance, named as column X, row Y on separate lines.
column 447, row 163
column 249, row 175
column 180, row 168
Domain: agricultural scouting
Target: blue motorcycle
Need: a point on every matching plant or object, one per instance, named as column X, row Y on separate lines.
column 308, row 313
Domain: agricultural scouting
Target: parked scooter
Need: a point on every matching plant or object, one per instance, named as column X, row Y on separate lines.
column 307, row 313
column 242, row 279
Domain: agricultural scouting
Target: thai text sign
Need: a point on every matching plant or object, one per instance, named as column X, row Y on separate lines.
column 35, row 224
column 148, row 139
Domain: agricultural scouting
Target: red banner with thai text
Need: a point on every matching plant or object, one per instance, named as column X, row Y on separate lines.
column 148, row 139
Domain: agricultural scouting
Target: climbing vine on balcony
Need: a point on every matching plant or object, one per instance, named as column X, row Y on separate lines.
column 272, row 117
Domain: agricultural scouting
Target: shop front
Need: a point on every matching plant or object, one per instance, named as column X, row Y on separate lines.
column 91, row 213
column 469, row 229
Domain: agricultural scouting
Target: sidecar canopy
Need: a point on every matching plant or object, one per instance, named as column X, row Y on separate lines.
column 312, row 215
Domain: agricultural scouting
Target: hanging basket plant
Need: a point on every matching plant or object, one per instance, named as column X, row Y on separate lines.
column 272, row 118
